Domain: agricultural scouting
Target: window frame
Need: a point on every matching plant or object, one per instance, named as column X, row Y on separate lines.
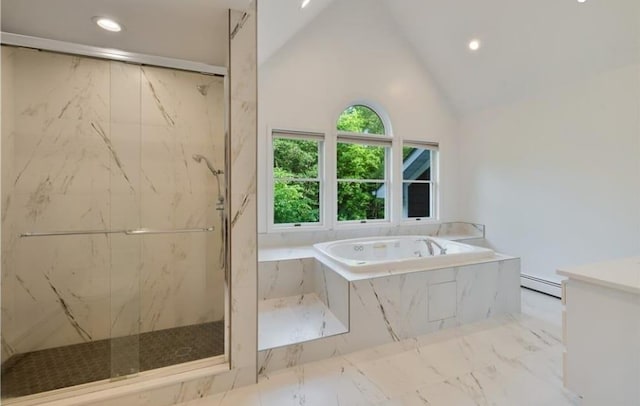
column 278, row 133
column 434, row 197
column 328, row 178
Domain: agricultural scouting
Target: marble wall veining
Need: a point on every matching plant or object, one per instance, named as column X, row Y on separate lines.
column 297, row 296
column 243, row 88
column 6, row 158
column 89, row 144
column 286, row 278
column 393, row 308
column 243, row 222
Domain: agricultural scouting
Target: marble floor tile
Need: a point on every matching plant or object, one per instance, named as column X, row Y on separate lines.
column 246, row 396
column 541, row 306
column 400, row 373
column 327, row 382
column 512, row 360
column 511, row 340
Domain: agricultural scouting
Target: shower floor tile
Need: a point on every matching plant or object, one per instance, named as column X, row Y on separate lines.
column 61, row 367
column 295, row 319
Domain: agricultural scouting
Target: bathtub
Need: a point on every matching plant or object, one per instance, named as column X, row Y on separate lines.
column 399, row 253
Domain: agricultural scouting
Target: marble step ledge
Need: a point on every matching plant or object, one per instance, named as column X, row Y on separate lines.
column 295, row 319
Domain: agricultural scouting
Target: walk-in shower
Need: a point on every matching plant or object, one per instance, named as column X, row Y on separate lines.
column 113, row 234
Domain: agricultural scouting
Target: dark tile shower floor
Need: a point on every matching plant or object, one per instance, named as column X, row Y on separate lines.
column 61, row 367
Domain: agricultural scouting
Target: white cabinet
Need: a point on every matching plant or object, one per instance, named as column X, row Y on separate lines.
column 601, row 323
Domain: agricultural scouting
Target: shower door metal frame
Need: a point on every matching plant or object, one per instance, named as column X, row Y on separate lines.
column 71, row 48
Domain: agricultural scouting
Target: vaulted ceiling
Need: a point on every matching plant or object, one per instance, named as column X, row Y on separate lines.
column 527, row 46
column 280, row 20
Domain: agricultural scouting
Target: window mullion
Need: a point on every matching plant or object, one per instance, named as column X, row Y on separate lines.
column 362, row 180
column 296, row 179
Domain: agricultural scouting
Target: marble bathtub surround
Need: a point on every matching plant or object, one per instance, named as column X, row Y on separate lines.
column 283, row 278
column 295, row 319
column 287, row 257
column 101, row 145
column 300, row 300
column 385, row 308
column 298, row 238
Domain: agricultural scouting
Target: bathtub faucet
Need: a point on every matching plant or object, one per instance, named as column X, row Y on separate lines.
column 431, row 243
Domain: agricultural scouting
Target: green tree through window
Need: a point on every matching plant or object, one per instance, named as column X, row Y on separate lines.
column 296, row 189
column 360, row 119
column 360, row 167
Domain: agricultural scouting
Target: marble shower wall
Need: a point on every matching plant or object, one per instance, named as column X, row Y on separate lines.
column 7, row 112
column 89, row 144
column 243, row 123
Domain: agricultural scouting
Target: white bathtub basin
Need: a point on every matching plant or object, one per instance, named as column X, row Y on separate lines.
column 393, row 254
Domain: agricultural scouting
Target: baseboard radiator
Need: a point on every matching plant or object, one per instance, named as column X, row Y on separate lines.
column 541, row 285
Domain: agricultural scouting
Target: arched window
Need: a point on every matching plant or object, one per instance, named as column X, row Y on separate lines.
column 361, row 119
column 362, row 166
column 363, row 190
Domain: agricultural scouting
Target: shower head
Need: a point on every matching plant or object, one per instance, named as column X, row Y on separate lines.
column 199, row 158
column 216, row 172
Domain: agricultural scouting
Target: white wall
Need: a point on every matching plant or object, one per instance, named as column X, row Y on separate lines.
column 353, row 52
column 556, row 178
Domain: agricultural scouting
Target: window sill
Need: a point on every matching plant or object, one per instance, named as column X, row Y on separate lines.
column 351, row 225
column 291, row 229
column 423, row 220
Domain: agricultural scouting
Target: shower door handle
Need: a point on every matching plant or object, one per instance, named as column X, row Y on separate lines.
column 70, row 232
column 146, row 231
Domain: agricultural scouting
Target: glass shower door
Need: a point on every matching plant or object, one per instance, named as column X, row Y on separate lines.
column 167, row 193
column 125, row 182
column 58, row 226
column 182, row 195
column 112, row 242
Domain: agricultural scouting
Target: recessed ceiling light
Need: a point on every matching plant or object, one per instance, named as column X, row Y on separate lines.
column 474, row 44
column 108, row 24
column 582, row 1
column 305, row 3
